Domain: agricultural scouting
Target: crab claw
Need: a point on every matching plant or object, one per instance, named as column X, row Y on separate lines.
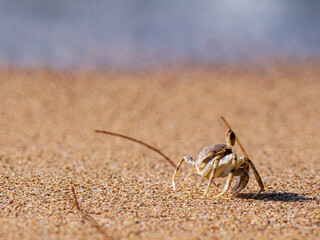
column 242, row 182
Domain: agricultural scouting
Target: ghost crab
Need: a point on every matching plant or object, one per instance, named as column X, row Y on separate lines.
column 218, row 161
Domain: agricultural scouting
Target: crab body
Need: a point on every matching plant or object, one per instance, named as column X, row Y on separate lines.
column 205, row 157
column 218, row 161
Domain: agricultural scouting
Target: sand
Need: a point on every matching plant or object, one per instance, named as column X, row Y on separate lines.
column 47, row 145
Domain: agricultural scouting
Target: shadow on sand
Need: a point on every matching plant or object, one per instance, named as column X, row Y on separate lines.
column 278, row 196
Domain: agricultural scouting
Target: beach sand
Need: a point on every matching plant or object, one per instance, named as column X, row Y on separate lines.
column 47, row 145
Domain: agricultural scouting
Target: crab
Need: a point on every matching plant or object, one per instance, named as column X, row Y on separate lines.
column 218, row 161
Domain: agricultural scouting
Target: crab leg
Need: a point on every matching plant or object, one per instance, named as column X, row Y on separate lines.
column 230, row 176
column 176, row 172
column 211, row 164
column 227, row 186
column 256, row 174
column 242, row 181
column 215, row 161
column 188, row 160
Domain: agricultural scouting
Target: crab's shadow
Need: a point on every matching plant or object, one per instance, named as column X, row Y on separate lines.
column 278, row 197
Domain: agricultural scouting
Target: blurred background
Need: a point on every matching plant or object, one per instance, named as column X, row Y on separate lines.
column 163, row 72
column 130, row 34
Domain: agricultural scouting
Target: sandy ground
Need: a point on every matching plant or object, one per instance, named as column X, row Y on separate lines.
column 47, row 145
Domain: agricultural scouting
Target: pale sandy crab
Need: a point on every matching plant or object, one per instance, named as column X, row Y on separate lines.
column 218, row 161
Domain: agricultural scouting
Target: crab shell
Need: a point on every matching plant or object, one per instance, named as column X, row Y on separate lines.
column 209, row 153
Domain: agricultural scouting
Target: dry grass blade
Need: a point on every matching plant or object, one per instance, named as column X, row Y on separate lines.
column 237, row 138
column 75, row 198
column 139, row 142
column 86, row 216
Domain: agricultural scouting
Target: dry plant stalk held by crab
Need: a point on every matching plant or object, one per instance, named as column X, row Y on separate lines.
column 216, row 161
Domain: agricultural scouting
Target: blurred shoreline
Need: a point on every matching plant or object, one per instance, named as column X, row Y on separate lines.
column 262, row 67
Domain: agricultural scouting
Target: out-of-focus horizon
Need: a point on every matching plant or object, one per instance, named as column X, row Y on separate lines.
column 147, row 33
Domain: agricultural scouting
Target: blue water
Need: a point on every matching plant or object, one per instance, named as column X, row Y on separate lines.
column 143, row 33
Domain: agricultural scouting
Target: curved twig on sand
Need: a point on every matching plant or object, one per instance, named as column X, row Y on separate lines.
column 139, row 142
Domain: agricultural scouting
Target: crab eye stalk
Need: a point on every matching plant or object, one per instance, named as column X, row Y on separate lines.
column 231, row 139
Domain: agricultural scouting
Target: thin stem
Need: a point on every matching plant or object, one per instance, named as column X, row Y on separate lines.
column 139, row 142
column 237, row 139
column 86, row 216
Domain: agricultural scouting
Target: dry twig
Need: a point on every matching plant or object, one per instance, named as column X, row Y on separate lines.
column 237, row 138
column 86, row 216
column 139, row 142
